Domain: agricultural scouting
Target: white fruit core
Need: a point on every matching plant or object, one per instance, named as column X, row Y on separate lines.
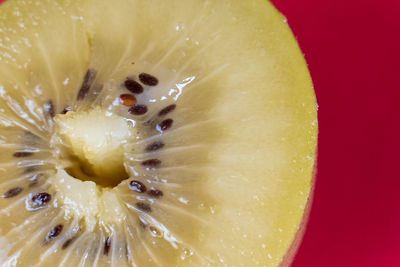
column 86, row 200
column 91, row 145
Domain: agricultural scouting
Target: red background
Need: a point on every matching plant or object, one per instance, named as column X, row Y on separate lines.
column 352, row 50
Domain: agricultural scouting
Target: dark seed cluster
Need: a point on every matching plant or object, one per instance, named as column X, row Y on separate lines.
column 164, row 125
column 136, row 88
column 130, row 101
column 141, row 188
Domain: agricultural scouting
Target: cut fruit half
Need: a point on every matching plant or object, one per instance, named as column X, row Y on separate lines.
column 152, row 133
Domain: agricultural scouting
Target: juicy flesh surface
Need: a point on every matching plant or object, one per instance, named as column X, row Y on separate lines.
column 238, row 160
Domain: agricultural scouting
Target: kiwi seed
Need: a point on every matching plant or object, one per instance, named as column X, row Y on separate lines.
column 86, row 84
column 56, row 231
column 107, row 245
column 138, row 110
column 154, row 146
column 137, row 186
column 148, row 79
column 41, row 199
column 127, row 100
column 155, row 193
column 165, row 125
column 22, row 154
column 151, row 163
column 13, row 192
column 133, row 86
column 143, row 206
column 167, row 110
column 67, row 243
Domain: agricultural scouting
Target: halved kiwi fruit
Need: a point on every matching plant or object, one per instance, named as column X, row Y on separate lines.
column 152, row 133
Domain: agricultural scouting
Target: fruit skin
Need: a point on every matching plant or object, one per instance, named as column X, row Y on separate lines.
column 294, row 247
column 290, row 255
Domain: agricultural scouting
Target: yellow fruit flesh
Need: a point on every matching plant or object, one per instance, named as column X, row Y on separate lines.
column 239, row 162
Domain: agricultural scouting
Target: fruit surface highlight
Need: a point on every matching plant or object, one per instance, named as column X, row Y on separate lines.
column 152, row 133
